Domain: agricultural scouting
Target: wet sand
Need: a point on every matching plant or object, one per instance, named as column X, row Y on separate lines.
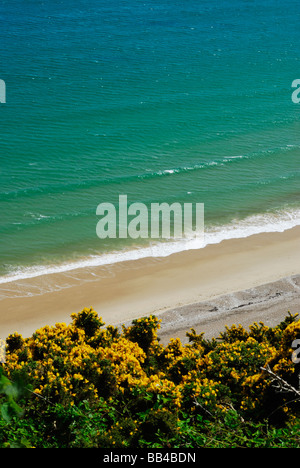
column 236, row 281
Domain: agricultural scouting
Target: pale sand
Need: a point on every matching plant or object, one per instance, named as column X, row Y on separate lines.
column 269, row 303
column 211, row 276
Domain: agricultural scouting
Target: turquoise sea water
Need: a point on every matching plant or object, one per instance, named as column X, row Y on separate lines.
column 164, row 101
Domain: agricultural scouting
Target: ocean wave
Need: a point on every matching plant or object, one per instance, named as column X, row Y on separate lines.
column 92, row 183
column 278, row 221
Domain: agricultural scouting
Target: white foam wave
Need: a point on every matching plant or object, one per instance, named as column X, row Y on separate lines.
column 279, row 221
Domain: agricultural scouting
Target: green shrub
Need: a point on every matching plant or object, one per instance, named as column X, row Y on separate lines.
column 83, row 385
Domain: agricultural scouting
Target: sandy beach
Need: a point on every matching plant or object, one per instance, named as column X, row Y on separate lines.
column 237, row 281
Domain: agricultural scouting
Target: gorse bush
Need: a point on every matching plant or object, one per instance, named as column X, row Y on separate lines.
column 88, row 385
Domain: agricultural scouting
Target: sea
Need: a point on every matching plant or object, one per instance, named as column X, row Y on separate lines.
column 165, row 101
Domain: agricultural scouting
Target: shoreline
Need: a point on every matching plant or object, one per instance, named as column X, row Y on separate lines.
column 121, row 292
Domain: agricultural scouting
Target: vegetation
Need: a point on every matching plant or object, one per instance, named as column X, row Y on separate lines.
column 84, row 385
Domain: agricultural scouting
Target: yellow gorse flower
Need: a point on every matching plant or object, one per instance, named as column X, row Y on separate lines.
column 84, row 361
